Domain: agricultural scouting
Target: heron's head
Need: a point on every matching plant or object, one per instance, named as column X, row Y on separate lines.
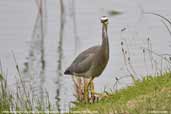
column 104, row 20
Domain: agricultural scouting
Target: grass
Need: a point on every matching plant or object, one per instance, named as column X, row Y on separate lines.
column 21, row 100
column 152, row 93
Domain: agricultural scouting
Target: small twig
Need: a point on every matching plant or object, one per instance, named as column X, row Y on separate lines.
column 159, row 16
column 146, row 66
column 160, row 55
column 150, row 54
column 132, row 68
column 20, row 77
column 166, row 27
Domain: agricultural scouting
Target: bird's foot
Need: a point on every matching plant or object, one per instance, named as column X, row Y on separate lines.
column 95, row 97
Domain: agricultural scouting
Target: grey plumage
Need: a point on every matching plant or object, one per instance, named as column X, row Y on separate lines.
column 91, row 62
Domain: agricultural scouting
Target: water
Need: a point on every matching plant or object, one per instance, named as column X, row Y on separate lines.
column 17, row 20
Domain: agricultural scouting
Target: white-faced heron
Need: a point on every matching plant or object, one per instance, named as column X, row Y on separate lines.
column 91, row 62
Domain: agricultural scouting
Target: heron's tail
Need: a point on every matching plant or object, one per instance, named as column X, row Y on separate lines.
column 68, row 72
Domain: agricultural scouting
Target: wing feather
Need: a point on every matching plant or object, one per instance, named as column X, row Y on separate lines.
column 83, row 61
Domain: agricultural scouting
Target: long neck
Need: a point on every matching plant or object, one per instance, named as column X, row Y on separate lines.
column 105, row 43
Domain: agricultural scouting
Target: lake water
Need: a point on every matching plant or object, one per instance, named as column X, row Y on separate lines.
column 18, row 18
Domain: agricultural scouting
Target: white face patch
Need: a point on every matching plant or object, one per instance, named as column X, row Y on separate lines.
column 104, row 19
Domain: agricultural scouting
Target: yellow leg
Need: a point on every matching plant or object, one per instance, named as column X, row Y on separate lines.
column 92, row 88
column 93, row 97
column 86, row 96
column 92, row 91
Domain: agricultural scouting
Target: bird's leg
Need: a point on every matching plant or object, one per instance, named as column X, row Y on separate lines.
column 94, row 95
column 92, row 91
column 86, row 92
column 92, row 88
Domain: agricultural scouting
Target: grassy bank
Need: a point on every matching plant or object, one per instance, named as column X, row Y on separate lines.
column 21, row 101
column 150, row 95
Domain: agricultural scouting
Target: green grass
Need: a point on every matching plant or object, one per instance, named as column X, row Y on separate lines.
column 21, row 100
column 152, row 93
